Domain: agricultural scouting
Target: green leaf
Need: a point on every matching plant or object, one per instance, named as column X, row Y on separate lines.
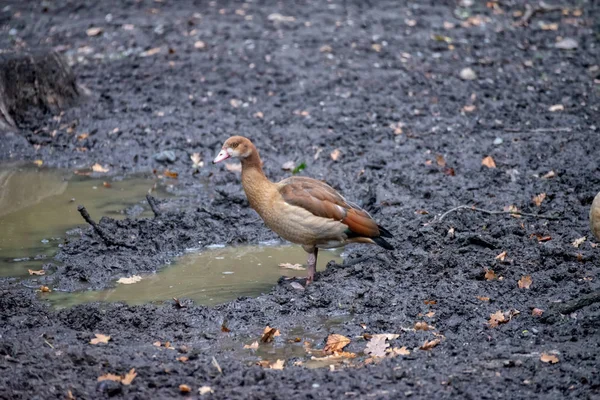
column 300, row 167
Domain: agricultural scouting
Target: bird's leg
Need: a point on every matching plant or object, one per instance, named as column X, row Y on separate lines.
column 312, row 265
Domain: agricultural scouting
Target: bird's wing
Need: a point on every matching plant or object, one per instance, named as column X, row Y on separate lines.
column 323, row 201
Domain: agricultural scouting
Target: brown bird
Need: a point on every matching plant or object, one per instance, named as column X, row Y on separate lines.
column 302, row 210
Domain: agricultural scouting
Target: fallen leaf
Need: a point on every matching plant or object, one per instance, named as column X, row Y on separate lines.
column 469, row 108
column 100, row 338
column 224, row 327
column 183, row 388
column 299, row 168
column 106, row 184
column 430, row 302
column 525, row 282
column 501, row 256
column 541, row 238
column 377, row 345
column 45, row 289
column 268, row 334
column 82, row 136
column 277, row 364
column 70, row 395
column 440, row 160
column 178, row 303
column 151, row 52
column 199, row 44
column 548, row 358
column 109, row 377
column 205, row 390
column 325, row 49
column 549, row 27
column 376, row 47
column 288, row 166
column 422, row 326
column 296, row 267
column 252, row 346
column 430, row 314
column 513, row 210
column 449, row 25
column 496, row 319
column 578, row 242
column 335, row 343
column 537, row 312
column 129, row 377
column 483, row 298
column 537, row 200
column 422, row 212
column 40, row 272
column 94, row 31
column 157, row 344
column 170, row 174
column 399, row 351
column 99, row 168
column 430, row 344
column 259, row 114
column 490, row 275
column 335, row 154
column 196, row 160
column 235, row 103
column 550, row 174
column 488, row 162
column 556, row 107
column 129, row 280
column 235, row 167
column 38, row 162
column 182, row 359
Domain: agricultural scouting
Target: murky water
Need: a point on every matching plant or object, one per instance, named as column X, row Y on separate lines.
column 38, row 205
column 213, row 276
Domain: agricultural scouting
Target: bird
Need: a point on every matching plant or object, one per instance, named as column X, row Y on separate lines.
column 302, row 210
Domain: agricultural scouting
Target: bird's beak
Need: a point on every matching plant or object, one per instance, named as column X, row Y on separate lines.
column 223, row 155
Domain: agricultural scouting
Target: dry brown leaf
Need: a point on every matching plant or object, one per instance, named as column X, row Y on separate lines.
column 94, row 31
column 277, row 364
column 335, row 343
column 400, row 351
column 236, row 167
column 501, row 256
column 490, row 275
column 430, row 302
column 99, row 168
column 335, row 154
column 182, row 359
column 129, row 280
column 205, row 390
column 469, row 108
column 483, row 298
column 440, row 160
column 488, row 162
column 252, row 346
column 549, row 174
column 549, row 27
column 548, row 358
column 430, row 314
column 183, row 388
column 82, row 136
column 537, row 200
column 100, row 338
column 129, row 377
column 40, row 272
column 377, row 345
column 537, row 312
column 45, row 289
column 196, row 160
column 513, row 210
column 325, row 49
column 422, row 326
column 525, row 282
column 422, row 212
column 70, row 395
column 259, row 114
column 268, row 334
column 497, row 318
column 430, row 344
column 578, row 242
column 109, row 377
column 170, row 174
column 295, row 267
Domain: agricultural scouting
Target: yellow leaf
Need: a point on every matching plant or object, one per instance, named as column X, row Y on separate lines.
column 277, row 364
column 40, row 272
column 99, row 168
column 130, row 280
column 488, row 162
column 537, row 200
column 252, row 346
column 525, row 282
column 336, row 343
column 100, row 338
column 38, row 162
column 335, row 154
column 129, row 377
column 549, row 358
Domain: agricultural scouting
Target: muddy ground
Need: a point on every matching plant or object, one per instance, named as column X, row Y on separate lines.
column 379, row 81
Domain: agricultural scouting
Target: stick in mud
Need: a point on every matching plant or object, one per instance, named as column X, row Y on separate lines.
column 105, row 237
column 572, row 306
column 481, row 210
column 153, row 205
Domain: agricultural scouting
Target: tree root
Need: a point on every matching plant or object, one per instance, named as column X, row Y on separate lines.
column 481, row 210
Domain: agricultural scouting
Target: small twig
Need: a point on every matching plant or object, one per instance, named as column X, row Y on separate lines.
column 571, row 306
column 103, row 235
column 539, row 130
column 153, row 205
column 481, row 210
column 531, row 11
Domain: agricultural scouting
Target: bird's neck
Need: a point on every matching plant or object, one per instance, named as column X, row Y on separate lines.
column 255, row 183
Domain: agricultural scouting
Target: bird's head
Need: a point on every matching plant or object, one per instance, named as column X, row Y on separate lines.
column 235, row 147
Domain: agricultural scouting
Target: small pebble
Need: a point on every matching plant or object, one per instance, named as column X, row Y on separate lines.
column 467, row 74
column 498, row 141
column 165, row 155
column 567, row 44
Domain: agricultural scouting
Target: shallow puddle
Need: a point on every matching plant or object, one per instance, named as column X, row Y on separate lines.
column 213, row 276
column 38, row 205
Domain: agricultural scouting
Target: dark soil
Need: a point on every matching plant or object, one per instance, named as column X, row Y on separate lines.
column 379, row 70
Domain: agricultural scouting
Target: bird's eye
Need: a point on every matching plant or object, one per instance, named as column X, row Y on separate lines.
column 234, row 145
